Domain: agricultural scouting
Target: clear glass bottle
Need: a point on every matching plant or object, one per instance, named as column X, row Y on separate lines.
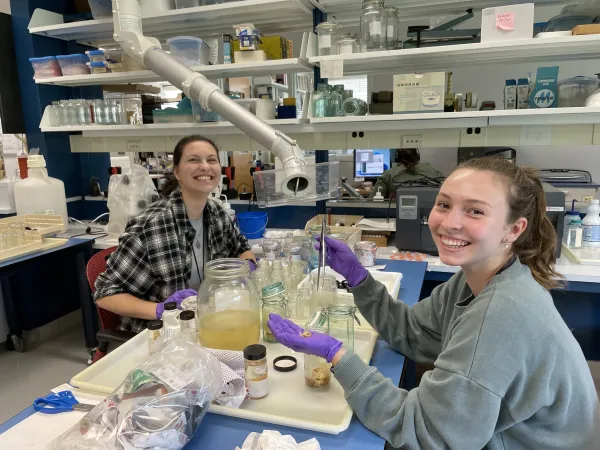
column 294, row 252
column 366, row 252
column 87, row 111
column 303, row 301
column 327, row 35
column 346, row 44
column 574, row 234
column 315, row 232
column 62, row 113
column 261, row 277
column 79, row 106
column 354, row 107
column 274, row 300
column 256, row 371
column 271, row 249
column 99, row 113
column 277, row 271
column 373, row 26
column 53, row 111
column 393, row 26
column 321, row 100
column 71, row 117
column 336, row 98
column 341, row 323
column 189, row 329
column 317, row 371
column 228, row 305
column 155, row 337
column 170, row 320
column 325, row 295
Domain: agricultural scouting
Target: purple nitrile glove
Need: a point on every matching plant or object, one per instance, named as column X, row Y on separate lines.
column 252, row 265
column 177, row 297
column 341, row 259
column 290, row 335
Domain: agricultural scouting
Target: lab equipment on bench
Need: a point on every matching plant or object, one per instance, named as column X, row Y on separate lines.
column 414, row 204
column 577, row 185
column 59, row 402
column 371, row 163
column 467, row 153
column 591, row 224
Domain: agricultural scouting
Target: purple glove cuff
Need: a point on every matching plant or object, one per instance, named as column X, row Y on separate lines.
column 333, row 350
column 357, row 276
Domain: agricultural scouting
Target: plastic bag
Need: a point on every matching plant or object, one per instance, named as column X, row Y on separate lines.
column 128, row 195
column 274, row 440
column 160, row 404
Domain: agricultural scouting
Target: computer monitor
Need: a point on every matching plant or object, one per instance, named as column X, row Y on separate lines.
column 371, row 163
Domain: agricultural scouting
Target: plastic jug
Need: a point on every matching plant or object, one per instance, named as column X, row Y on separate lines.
column 591, row 225
column 39, row 193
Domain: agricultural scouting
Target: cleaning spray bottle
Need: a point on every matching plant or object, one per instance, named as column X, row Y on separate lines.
column 229, row 210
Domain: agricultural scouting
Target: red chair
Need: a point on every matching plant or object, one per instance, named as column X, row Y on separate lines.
column 109, row 321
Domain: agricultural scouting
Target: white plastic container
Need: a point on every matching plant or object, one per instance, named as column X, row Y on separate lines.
column 591, row 224
column 39, row 193
column 190, row 50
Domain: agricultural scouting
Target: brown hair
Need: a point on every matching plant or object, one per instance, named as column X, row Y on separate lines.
column 536, row 246
column 409, row 157
column 172, row 182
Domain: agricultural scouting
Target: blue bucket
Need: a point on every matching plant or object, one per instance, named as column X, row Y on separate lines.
column 252, row 224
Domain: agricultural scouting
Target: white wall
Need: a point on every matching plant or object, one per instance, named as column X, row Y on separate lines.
column 5, row 6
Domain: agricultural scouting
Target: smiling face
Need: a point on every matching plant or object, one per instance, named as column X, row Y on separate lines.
column 469, row 220
column 199, row 170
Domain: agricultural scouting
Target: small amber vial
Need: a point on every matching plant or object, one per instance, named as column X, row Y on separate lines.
column 256, row 371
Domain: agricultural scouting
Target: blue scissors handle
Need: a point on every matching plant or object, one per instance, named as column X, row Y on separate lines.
column 55, row 403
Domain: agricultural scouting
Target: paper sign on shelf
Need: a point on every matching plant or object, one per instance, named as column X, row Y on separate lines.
column 505, row 21
column 332, row 69
column 536, row 135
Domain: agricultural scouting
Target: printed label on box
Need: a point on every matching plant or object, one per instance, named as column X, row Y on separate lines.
column 173, row 377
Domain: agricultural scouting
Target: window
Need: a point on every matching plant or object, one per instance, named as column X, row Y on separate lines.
column 356, row 84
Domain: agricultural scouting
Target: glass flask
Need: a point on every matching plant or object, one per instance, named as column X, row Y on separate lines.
column 274, row 300
column 326, row 295
column 354, row 107
column 228, row 306
column 317, row 371
column 373, row 26
column 327, row 33
column 321, row 100
column 340, row 319
column 393, row 26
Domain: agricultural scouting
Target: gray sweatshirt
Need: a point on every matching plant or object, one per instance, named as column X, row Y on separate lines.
column 508, row 372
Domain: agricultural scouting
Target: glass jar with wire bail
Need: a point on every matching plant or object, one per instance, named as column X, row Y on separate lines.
column 274, row 300
column 393, row 26
column 373, row 26
column 317, row 371
column 228, row 306
column 340, row 320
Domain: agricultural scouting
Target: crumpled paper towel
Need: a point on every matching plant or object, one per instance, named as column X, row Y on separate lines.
column 274, row 440
column 232, row 368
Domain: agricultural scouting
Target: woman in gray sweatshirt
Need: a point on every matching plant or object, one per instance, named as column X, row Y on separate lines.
column 508, row 373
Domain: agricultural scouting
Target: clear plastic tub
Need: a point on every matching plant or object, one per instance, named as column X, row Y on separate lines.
column 73, row 64
column 190, row 50
column 98, row 67
column 101, row 8
column 96, row 55
column 46, row 67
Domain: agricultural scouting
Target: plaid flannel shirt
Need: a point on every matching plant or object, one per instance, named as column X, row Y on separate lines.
column 154, row 257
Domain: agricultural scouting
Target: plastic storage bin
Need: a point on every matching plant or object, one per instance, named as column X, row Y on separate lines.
column 96, row 55
column 101, row 8
column 190, row 50
column 73, row 64
column 46, row 67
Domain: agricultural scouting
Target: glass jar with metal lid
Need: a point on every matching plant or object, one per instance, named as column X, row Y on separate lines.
column 373, row 26
column 328, row 33
column 228, row 306
column 393, row 26
column 274, row 300
column 340, row 320
column 366, row 252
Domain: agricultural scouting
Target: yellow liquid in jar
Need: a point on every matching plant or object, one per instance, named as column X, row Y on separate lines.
column 233, row 329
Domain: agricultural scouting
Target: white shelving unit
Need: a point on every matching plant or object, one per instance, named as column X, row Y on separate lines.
column 442, row 58
column 269, row 16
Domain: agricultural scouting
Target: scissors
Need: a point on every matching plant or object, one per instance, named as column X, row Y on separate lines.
column 60, row 402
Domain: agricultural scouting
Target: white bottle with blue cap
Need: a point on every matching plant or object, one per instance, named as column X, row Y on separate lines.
column 591, row 225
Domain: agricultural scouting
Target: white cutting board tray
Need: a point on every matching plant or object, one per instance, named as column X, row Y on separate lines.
column 290, row 402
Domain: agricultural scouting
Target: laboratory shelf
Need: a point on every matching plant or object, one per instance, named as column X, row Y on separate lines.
column 269, row 16
column 461, row 55
column 291, row 65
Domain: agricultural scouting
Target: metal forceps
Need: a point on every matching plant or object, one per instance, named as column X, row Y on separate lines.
column 322, row 257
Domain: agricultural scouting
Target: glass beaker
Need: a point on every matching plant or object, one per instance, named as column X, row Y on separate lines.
column 328, row 33
column 373, row 26
column 317, row 371
column 326, row 295
column 228, row 305
column 340, row 319
column 321, row 100
column 393, row 25
column 274, row 300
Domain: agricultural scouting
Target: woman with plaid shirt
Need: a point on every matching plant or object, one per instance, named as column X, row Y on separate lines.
column 162, row 253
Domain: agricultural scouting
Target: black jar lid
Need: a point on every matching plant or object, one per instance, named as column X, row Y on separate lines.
column 170, row 306
column 255, row 352
column 155, row 324
column 187, row 315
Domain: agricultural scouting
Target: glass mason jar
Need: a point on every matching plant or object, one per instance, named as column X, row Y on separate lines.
column 277, row 271
column 346, row 44
column 354, row 107
column 271, row 249
column 261, row 277
column 373, row 26
column 326, row 295
column 321, row 100
column 315, row 232
column 393, row 26
column 340, row 319
column 366, row 252
column 274, row 300
column 317, row 371
column 327, row 33
column 228, row 306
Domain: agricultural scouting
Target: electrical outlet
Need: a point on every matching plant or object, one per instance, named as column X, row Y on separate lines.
column 134, row 146
column 587, row 198
column 412, row 141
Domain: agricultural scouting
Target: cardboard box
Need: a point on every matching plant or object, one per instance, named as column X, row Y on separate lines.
column 335, row 220
column 593, row 28
column 379, row 237
column 246, row 57
column 419, row 92
column 242, row 163
column 275, row 47
column 507, row 23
